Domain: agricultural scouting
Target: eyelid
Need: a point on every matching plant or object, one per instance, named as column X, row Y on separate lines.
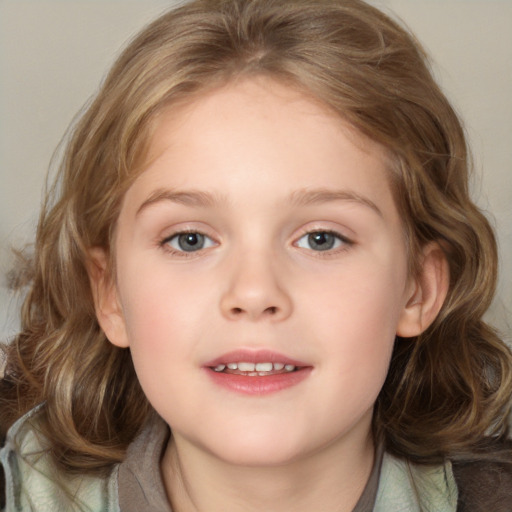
column 163, row 242
column 346, row 242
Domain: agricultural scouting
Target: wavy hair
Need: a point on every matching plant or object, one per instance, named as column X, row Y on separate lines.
column 446, row 390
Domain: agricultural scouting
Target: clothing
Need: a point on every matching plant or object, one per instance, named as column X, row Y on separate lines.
column 34, row 484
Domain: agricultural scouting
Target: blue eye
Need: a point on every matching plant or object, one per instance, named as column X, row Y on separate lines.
column 321, row 241
column 189, row 242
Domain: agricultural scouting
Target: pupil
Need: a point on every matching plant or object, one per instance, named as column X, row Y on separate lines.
column 321, row 241
column 191, row 241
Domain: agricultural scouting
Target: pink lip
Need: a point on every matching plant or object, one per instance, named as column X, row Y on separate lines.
column 256, row 385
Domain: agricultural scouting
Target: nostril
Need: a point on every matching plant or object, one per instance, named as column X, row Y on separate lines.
column 272, row 310
column 237, row 311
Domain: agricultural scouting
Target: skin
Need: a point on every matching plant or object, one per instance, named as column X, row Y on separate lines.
column 251, row 152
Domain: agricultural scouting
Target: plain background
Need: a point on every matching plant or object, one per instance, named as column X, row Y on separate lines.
column 54, row 53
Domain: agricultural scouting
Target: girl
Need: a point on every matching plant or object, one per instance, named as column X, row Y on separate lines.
column 259, row 282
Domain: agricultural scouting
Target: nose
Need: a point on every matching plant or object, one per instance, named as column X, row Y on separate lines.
column 255, row 291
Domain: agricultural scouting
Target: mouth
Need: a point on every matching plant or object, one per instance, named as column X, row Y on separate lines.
column 256, row 373
column 255, row 369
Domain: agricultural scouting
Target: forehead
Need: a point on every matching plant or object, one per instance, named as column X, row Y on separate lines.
column 253, row 130
column 267, row 97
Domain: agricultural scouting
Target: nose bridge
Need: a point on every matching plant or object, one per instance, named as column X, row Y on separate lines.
column 256, row 286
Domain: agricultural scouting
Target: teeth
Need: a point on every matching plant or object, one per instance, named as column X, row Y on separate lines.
column 253, row 369
column 264, row 367
column 246, row 367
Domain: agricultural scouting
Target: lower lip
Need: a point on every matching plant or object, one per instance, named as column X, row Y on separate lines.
column 258, row 385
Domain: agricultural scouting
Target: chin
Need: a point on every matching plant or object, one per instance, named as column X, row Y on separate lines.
column 258, row 456
column 255, row 448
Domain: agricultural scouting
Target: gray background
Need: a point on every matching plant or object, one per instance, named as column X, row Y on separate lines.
column 53, row 54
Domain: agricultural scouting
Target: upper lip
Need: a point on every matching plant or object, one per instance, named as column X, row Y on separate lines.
column 254, row 356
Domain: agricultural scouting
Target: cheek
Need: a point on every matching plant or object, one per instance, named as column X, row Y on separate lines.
column 159, row 330
column 356, row 315
column 153, row 298
column 364, row 301
column 165, row 318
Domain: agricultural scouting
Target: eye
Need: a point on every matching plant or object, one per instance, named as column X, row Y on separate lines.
column 188, row 242
column 321, row 241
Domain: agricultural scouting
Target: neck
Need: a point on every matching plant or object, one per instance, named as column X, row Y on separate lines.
column 331, row 480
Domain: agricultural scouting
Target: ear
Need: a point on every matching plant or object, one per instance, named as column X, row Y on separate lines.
column 106, row 302
column 428, row 292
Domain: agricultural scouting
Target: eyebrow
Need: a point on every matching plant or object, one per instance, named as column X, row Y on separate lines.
column 307, row 197
column 303, row 197
column 194, row 198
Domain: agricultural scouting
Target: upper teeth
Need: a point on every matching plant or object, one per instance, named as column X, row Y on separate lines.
column 258, row 367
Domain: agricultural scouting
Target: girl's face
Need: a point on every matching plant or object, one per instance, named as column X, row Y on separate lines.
column 261, row 276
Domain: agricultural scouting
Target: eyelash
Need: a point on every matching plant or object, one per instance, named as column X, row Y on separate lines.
column 344, row 243
column 165, row 243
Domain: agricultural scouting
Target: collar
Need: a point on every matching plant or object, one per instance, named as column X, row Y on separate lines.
column 394, row 483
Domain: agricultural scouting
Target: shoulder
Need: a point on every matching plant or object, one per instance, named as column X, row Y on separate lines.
column 32, row 481
column 485, row 483
column 408, row 487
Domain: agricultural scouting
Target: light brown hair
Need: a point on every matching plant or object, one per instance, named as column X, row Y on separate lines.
column 446, row 390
